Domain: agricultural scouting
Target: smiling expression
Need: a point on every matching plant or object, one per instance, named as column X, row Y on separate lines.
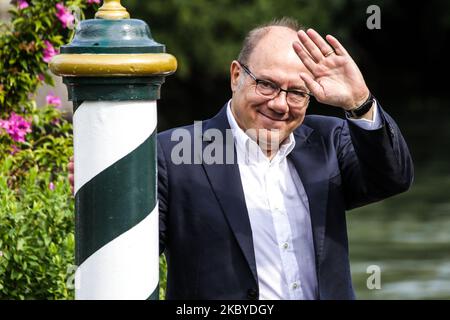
column 273, row 59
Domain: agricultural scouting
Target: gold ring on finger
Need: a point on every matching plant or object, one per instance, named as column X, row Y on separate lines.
column 329, row 53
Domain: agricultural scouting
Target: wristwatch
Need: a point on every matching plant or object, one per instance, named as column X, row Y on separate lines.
column 362, row 109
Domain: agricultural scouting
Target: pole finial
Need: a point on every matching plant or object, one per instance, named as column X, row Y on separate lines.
column 112, row 9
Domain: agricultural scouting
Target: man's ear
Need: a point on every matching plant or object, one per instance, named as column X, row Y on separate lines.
column 235, row 71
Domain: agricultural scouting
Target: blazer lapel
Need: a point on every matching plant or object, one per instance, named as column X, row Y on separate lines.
column 225, row 180
column 309, row 158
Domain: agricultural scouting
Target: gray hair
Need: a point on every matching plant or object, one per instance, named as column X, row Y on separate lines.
column 257, row 33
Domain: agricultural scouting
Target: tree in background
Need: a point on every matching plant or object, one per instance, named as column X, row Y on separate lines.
column 402, row 62
column 206, row 36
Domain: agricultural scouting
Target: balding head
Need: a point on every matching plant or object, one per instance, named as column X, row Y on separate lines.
column 255, row 35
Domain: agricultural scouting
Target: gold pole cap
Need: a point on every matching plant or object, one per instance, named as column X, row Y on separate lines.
column 112, row 9
column 113, row 65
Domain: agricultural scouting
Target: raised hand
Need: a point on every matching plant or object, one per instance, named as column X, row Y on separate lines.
column 336, row 79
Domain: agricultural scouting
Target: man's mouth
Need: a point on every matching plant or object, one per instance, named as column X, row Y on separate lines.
column 279, row 119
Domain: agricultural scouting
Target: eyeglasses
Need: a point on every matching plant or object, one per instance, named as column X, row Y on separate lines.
column 269, row 90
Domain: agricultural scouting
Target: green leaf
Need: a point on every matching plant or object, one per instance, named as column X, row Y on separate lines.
column 20, row 244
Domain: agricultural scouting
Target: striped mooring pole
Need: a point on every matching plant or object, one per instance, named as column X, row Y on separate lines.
column 113, row 71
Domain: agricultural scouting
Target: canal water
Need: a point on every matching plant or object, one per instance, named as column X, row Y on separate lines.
column 406, row 238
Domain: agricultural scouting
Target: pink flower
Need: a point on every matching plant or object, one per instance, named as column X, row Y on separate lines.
column 93, row 1
column 53, row 100
column 41, row 77
column 51, row 186
column 16, row 126
column 49, row 51
column 22, row 4
column 64, row 15
column 4, row 124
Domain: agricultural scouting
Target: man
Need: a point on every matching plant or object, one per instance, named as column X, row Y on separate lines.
column 271, row 224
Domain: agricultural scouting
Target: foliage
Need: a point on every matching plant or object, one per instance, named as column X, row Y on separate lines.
column 37, row 240
column 48, row 146
column 208, row 34
column 24, row 48
column 36, row 206
column 36, row 210
column 205, row 36
column 162, row 277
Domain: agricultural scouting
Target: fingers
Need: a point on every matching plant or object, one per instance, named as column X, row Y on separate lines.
column 317, row 47
column 71, row 166
column 315, row 88
column 310, row 46
column 338, row 47
column 323, row 46
column 71, row 182
column 305, row 57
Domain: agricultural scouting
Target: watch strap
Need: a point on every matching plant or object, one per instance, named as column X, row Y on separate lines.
column 362, row 109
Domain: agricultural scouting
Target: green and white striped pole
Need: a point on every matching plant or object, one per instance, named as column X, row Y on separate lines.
column 113, row 70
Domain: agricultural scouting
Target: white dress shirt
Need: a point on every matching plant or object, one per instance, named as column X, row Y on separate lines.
column 279, row 215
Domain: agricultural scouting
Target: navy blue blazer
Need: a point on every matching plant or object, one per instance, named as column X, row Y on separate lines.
column 205, row 230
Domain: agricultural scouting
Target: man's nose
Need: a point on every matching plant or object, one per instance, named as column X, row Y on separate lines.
column 279, row 103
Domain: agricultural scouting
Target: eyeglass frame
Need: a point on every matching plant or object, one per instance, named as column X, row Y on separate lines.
column 247, row 70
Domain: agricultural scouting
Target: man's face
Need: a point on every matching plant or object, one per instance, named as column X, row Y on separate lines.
column 275, row 60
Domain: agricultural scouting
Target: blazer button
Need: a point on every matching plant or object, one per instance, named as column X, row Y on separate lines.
column 252, row 294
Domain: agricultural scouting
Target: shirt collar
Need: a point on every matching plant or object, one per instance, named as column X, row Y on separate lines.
column 245, row 145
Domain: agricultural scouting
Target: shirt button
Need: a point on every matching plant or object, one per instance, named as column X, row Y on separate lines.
column 295, row 285
column 285, row 245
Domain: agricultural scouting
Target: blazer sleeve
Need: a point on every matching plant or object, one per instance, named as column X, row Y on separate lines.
column 163, row 197
column 374, row 164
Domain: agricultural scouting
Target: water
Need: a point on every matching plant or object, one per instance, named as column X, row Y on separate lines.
column 408, row 237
